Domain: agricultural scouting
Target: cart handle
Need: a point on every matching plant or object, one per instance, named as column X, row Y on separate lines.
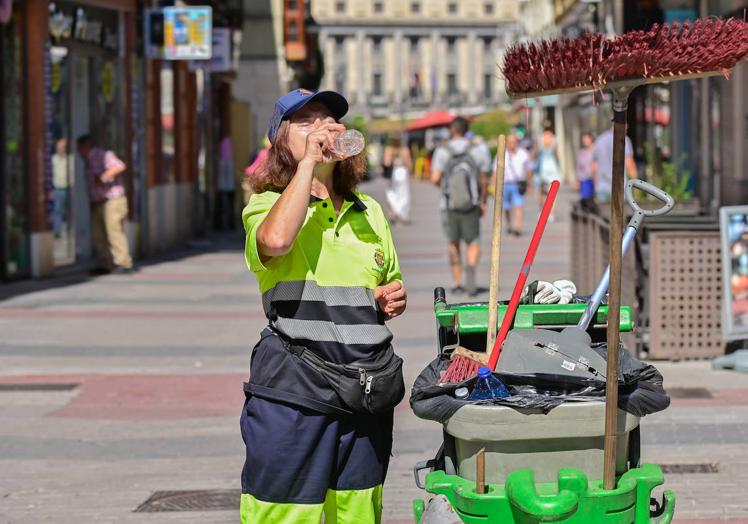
column 648, row 188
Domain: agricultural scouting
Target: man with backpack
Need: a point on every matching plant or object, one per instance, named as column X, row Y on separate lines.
column 461, row 171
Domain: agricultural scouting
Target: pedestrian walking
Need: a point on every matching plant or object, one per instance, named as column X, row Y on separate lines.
column 226, row 185
column 317, row 419
column 517, row 174
column 461, row 171
column 62, row 180
column 584, row 174
column 398, row 158
column 602, row 165
column 104, row 172
column 548, row 167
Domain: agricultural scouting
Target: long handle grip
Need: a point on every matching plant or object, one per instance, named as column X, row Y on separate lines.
column 506, row 323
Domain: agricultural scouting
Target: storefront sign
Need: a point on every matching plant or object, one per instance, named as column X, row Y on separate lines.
column 222, row 56
column 83, row 24
column 734, row 236
column 179, row 33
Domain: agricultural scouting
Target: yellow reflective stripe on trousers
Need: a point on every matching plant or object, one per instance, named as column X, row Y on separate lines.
column 356, row 506
column 255, row 511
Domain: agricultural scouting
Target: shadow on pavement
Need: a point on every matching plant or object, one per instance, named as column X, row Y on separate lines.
column 218, row 242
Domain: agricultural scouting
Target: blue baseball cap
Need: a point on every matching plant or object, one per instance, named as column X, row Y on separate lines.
column 288, row 104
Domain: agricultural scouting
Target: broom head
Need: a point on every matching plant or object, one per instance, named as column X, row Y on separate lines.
column 464, row 364
column 591, row 61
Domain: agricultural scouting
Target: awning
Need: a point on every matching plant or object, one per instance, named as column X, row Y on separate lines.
column 433, row 119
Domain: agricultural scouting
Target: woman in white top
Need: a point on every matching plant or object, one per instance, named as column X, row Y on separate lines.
column 398, row 195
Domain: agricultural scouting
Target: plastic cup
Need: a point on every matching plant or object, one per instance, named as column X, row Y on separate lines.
column 349, row 143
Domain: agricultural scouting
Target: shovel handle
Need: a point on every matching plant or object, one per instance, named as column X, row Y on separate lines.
column 628, row 239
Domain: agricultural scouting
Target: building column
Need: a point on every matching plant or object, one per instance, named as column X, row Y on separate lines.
column 36, row 61
column 472, row 51
column 328, row 80
column 361, row 91
column 399, row 73
column 434, row 80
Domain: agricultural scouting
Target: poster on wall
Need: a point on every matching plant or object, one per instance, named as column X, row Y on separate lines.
column 734, row 243
column 223, row 56
column 179, row 33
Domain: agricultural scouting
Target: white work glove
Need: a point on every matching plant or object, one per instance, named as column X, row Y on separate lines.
column 547, row 293
column 559, row 292
column 567, row 289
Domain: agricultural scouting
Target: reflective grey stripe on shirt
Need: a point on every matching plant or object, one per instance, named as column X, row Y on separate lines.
column 309, row 290
column 321, row 331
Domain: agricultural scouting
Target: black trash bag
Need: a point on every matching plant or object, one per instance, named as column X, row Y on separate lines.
column 640, row 390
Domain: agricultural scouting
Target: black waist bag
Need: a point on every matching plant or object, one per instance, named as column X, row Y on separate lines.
column 371, row 385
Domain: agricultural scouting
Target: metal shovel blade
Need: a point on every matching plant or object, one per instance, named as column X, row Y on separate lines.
column 542, row 351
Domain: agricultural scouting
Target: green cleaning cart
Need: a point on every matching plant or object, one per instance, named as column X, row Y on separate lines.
column 537, row 467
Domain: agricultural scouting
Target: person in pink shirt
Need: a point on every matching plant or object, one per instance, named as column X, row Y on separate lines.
column 259, row 159
column 108, row 207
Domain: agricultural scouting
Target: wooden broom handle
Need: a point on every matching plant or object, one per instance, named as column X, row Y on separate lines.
column 506, row 323
column 614, row 299
column 498, row 207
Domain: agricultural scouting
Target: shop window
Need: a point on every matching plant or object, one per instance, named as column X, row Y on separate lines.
column 13, row 214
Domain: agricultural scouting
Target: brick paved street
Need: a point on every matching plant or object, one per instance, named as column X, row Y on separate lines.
column 143, row 385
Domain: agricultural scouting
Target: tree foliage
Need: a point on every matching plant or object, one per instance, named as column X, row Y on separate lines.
column 491, row 124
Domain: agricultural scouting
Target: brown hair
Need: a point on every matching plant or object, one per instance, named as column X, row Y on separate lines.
column 280, row 167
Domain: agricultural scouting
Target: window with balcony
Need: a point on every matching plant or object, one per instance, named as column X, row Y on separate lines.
column 378, row 8
column 452, row 8
column 451, row 44
column 452, row 84
column 339, row 44
column 340, row 73
column 340, row 7
column 376, row 85
column 487, row 45
column 488, row 8
column 415, row 7
column 292, row 32
column 488, row 86
column 376, row 44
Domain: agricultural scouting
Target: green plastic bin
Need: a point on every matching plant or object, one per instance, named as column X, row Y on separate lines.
column 572, row 499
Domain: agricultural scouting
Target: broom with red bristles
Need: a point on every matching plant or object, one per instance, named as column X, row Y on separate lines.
column 592, row 62
column 464, row 363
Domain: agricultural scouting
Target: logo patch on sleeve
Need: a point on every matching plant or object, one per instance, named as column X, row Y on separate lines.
column 379, row 258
